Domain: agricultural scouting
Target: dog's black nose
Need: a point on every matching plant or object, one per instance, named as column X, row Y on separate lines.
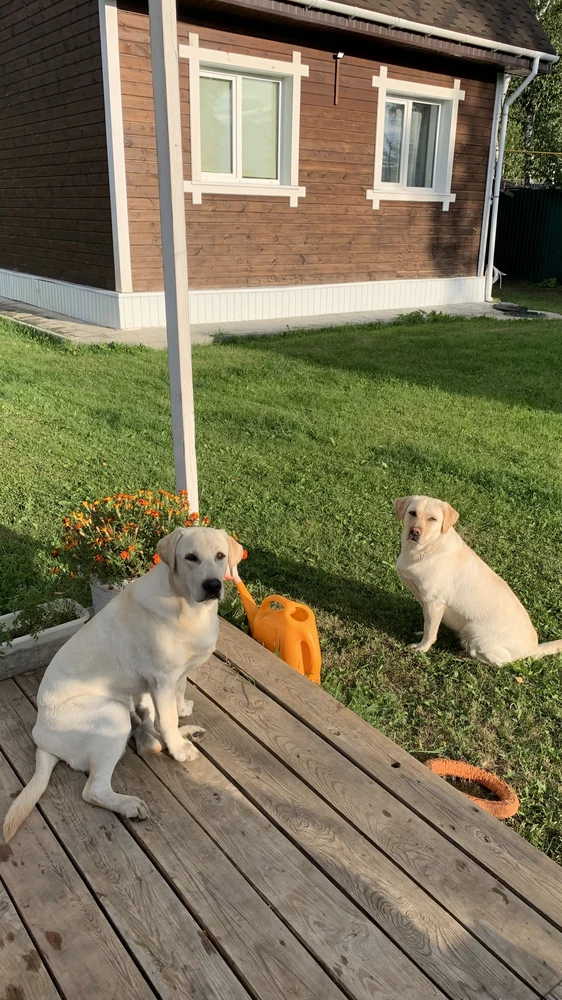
column 212, row 587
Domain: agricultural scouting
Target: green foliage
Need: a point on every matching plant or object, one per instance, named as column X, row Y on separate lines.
column 303, row 442
column 34, row 616
column 549, row 283
column 535, row 120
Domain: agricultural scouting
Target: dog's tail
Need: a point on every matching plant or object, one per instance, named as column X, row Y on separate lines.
column 30, row 795
column 548, row 649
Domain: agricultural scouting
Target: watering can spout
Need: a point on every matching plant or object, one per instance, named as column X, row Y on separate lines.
column 250, row 606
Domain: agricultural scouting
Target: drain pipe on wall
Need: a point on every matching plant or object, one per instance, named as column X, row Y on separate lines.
column 498, row 178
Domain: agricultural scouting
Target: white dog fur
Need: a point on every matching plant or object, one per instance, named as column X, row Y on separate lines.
column 455, row 586
column 127, row 665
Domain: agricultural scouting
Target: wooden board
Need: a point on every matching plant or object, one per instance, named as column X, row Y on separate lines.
column 454, row 960
column 337, row 146
column 69, row 929
column 350, row 946
column 275, row 965
column 523, row 868
column 525, row 941
column 22, row 971
column 53, row 157
column 168, row 943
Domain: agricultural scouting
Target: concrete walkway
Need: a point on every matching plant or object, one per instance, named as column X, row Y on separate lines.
column 206, row 333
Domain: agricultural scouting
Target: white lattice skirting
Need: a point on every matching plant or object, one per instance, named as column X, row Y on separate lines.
column 140, row 310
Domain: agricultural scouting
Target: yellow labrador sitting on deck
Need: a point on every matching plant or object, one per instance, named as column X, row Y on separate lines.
column 455, row 586
column 131, row 659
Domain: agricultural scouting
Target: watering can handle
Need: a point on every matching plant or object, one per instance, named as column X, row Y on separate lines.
column 276, row 599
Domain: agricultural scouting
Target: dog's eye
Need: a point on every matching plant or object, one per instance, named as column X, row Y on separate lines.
column 432, row 518
column 191, row 557
column 413, row 513
column 221, row 555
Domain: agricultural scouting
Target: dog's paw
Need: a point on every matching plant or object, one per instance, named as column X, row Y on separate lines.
column 419, row 647
column 183, row 750
column 191, row 731
column 185, row 708
column 134, row 808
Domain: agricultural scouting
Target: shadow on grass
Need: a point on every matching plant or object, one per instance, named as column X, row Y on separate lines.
column 22, row 568
column 513, row 362
column 352, row 601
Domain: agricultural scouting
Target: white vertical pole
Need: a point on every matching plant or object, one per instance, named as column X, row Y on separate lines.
column 165, row 84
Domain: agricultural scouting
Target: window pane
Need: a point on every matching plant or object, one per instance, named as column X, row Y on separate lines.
column 423, row 140
column 216, row 125
column 260, row 128
column 393, row 135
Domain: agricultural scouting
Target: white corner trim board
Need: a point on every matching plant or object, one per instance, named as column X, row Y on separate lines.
column 109, row 36
column 448, row 99
column 288, row 185
column 142, row 310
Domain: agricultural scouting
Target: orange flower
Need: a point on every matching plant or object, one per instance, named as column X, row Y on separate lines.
column 155, row 559
column 131, row 548
column 55, row 553
column 124, row 554
column 98, row 558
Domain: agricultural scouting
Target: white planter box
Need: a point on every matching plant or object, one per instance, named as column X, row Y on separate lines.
column 27, row 653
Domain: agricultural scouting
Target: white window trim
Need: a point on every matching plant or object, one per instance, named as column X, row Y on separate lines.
column 404, row 88
column 209, row 59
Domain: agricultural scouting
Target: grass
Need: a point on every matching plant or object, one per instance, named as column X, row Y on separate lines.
column 303, row 442
column 523, row 293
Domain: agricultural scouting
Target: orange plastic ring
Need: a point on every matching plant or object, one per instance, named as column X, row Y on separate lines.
column 508, row 803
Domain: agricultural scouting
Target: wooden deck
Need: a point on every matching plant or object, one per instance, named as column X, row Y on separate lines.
column 303, row 857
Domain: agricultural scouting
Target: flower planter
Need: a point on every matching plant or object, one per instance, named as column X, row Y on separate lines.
column 28, row 652
column 103, row 593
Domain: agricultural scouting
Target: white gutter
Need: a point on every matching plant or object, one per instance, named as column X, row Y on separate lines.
column 502, row 82
column 425, row 29
column 498, row 178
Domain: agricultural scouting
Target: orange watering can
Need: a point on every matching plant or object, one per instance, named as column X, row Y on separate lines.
column 289, row 630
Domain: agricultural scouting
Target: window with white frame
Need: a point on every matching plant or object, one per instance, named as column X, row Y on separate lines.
column 244, row 123
column 415, row 141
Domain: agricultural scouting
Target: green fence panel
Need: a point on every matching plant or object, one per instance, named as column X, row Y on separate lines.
column 529, row 239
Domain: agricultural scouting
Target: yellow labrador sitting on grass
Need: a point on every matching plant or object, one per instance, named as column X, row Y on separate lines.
column 131, row 660
column 455, row 586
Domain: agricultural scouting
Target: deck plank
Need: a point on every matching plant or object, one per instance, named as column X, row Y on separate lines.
column 170, row 946
column 22, row 972
column 556, row 993
column 274, row 964
column 75, row 939
column 523, row 939
column 451, row 957
column 519, row 865
column 364, row 960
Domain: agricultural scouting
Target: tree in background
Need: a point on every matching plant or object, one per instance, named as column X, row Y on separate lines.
column 535, row 120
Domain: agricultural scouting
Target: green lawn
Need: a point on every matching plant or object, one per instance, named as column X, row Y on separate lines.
column 303, row 442
column 523, row 293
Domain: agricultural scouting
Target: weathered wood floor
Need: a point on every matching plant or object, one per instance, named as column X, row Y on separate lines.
column 303, row 856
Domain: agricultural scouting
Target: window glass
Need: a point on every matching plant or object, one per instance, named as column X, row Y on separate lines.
column 422, row 145
column 260, row 128
column 393, row 138
column 216, row 125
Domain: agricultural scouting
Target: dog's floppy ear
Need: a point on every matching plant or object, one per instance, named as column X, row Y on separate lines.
column 167, row 546
column 235, row 554
column 400, row 507
column 450, row 517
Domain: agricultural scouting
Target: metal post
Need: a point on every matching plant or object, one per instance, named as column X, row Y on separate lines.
column 167, row 113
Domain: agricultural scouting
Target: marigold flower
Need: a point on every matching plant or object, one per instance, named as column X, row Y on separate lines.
column 124, row 554
column 155, row 559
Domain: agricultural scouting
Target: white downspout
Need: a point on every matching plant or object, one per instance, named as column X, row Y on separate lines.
column 502, row 81
column 498, row 178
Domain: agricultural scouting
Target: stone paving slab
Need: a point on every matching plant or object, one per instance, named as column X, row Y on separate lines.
column 206, row 333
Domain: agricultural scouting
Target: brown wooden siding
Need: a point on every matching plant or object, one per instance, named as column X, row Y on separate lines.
column 334, row 235
column 54, row 188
